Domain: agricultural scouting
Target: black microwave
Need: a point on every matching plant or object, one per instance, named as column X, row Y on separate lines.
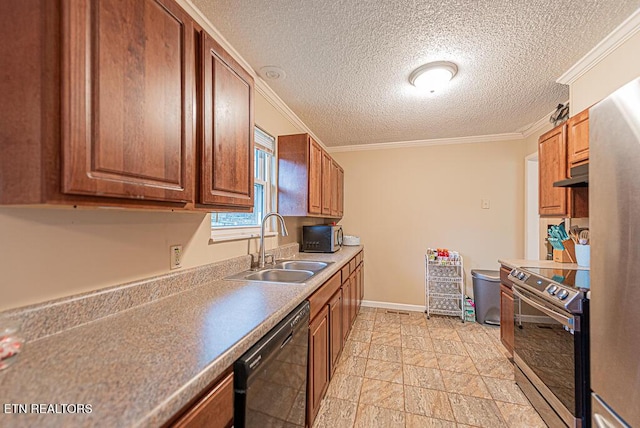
column 321, row 238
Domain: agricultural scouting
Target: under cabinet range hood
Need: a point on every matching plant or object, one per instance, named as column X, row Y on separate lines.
column 579, row 177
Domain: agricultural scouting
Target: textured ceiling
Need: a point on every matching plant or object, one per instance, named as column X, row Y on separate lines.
column 347, row 62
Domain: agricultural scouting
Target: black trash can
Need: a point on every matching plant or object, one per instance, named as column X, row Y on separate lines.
column 486, row 294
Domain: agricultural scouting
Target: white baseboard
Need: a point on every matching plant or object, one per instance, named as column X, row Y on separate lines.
column 396, row 306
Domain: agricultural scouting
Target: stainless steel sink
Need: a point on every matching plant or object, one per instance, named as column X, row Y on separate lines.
column 301, row 265
column 280, row 275
column 287, row 271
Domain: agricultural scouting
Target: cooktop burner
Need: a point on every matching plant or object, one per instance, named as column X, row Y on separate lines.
column 575, row 278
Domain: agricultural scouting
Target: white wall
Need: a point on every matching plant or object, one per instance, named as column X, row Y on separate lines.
column 401, row 201
column 619, row 67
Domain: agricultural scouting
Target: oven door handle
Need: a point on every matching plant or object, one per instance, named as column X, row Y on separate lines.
column 561, row 318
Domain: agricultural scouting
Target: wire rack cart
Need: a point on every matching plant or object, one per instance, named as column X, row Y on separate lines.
column 444, row 287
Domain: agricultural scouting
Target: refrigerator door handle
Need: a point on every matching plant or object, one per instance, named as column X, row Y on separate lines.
column 566, row 321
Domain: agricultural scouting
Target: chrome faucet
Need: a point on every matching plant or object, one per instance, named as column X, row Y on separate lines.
column 284, row 233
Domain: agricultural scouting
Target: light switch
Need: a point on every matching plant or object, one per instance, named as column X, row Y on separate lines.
column 485, row 204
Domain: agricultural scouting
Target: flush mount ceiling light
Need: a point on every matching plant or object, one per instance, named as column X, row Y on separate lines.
column 433, row 76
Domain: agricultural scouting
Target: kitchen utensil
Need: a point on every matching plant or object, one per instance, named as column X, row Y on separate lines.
column 555, row 243
column 562, row 232
column 574, row 232
column 584, row 237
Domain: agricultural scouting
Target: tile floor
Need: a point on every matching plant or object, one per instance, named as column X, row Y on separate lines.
column 405, row 370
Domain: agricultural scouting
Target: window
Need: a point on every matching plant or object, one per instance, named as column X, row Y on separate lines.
column 230, row 225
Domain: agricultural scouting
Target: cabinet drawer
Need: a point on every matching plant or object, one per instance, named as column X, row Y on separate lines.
column 214, row 410
column 346, row 271
column 352, row 265
column 322, row 295
column 359, row 258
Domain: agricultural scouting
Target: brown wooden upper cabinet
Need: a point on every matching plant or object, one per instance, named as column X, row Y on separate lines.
column 340, row 191
column 103, row 111
column 578, row 139
column 334, row 189
column 308, row 179
column 225, row 143
column 127, row 100
column 326, row 184
column 554, row 165
column 315, row 177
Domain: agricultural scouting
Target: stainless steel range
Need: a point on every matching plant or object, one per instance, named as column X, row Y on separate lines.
column 551, row 346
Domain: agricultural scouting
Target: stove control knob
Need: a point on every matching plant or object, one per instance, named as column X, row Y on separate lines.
column 521, row 276
column 515, row 273
column 563, row 294
column 552, row 289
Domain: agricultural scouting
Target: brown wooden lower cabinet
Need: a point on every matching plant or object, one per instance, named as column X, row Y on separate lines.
column 213, row 410
column 355, row 294
column 346, row 308
column 334, row 307
column 335, row 329
column 318, row 362
column 360, row 287
column 506, row 317
column 506, row 309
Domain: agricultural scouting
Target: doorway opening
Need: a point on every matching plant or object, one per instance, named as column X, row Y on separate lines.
column 531, row 216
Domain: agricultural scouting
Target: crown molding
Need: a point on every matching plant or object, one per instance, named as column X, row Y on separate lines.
column 618, row 36
column 263, row 88
column 538, row 126
column 196, row 13
column 260, row 85
column 433, row 142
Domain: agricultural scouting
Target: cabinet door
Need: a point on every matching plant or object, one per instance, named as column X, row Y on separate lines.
column 226, row 139
column 315, row 177
column 335, row 328
column 334, row 189
column 318, row 362
column 578, row 138
column 506, row 317
column 552, row 164
column 326, row 184
column 215, row 409
column 358, row 293
column 353, row 301
column 346, row 308
column 340, row 192
column 127, row 89
column 361, row 282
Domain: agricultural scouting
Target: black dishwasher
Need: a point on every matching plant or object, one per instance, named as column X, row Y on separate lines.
column 270, row 379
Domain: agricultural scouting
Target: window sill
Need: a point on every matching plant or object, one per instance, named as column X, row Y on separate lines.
column 236, row 235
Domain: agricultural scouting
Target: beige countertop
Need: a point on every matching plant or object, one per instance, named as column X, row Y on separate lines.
column 142, row 365
column 522, row 263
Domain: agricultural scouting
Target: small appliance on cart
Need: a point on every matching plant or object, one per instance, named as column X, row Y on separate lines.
column 444, row 283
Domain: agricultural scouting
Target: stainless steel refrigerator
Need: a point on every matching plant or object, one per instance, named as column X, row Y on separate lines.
column 614, row 206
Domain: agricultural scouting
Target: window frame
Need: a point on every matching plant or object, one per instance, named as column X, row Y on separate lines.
column 266, row 143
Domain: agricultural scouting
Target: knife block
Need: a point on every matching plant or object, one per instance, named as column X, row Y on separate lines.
column 568, row 255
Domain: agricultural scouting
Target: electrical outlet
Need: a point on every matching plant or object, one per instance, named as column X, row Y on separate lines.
column 485, row 204
column 176, row 256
